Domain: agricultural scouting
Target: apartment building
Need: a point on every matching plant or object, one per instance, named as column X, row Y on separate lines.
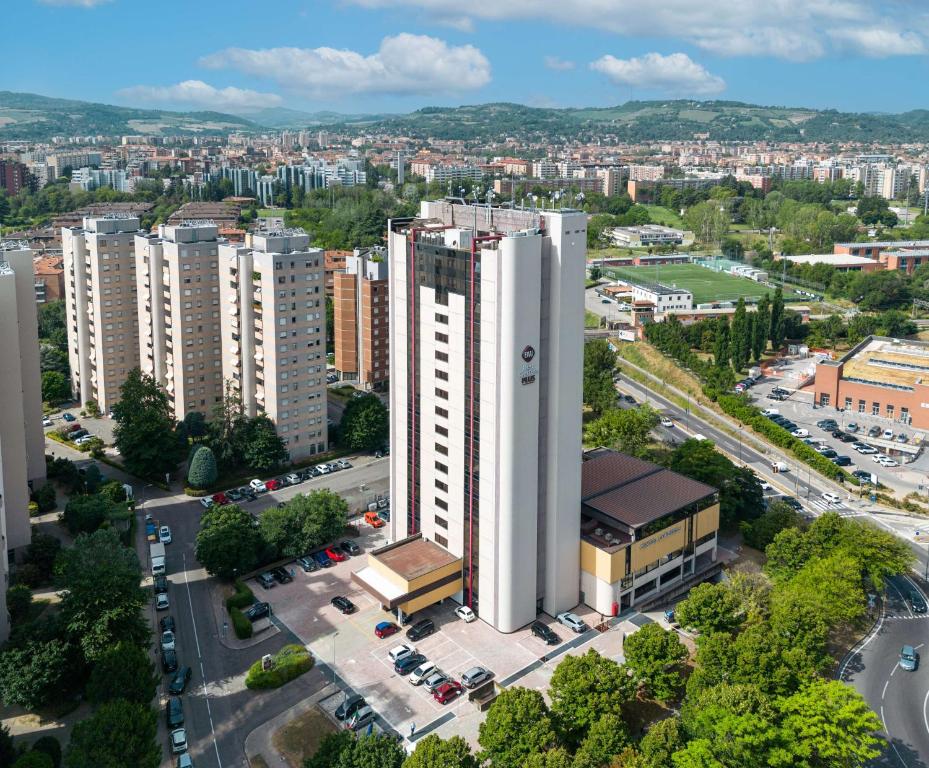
column 486, row 353
column 273, row 323
column 49, row 278
column 361, row 318
column 179, row 313
column 22, row 442
column 100, row 304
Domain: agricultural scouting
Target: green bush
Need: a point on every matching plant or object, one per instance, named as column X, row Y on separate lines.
column 33, row 509
column 242, row 598
column 289, row 662
column 202, row 472
column 34, row 760
column 50, row 746
column 18, row 600
column 45, row 498
column 240, row 624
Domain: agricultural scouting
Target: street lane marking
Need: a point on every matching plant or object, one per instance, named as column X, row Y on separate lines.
column 856, row 649
column 209, row 709
column 883, row 693
column 925, row 718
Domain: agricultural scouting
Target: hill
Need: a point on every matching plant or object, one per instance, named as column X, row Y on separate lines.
column 33, row 117
column 282, row 117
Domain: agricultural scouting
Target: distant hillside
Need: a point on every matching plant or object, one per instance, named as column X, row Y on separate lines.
column 34, row 117
column 282, row 117
column 661, row 120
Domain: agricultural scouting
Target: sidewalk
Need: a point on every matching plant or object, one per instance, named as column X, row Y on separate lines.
column 259, row 741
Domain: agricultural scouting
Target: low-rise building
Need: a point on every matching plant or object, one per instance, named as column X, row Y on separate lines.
column 663, row 297
column 646, row 235
column 843, row 262
column 49, row 278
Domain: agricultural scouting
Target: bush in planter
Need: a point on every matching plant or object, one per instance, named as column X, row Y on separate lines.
column 202, row 472
column 240, row 624
column 289, row 662
column 242, row 598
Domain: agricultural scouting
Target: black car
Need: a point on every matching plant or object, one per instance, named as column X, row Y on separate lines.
column 874, row 432
column 790, row 501
column 917, row 603
column 175, row 712
column 544, row 632
column 179, row 681
column 266, row 580
column 166, row 623
column 847, row 438
column 257, row 611
column 864, row 477
column 161, row 584
column 842, row 461
column 829, row 453
column 629, row 399
column 421, row 629
column 281, row 575
column 838, row 434
column 350, row 548
column 308, row 563
column 827, row 424
column 249, row 495
column 169, row 661
column 349, row 706
column 408, row 663
column 343, row 604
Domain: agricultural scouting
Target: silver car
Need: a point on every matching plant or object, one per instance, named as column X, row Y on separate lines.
column 435, row 680
column 475, row 676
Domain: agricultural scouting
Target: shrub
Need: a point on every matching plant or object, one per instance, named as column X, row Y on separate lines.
column 50, row 746
column 114, row 491
column 34, row 760
column 241, row 598
column 45, row 498
column 202, row 472
column 33, row 509
column 92, row 409
column 241, row 624
column 289, row 662
column 18, row 600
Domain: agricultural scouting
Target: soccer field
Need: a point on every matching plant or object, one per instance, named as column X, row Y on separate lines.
column 705, row 284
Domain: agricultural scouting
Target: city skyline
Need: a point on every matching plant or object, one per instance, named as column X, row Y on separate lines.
column 354, row 56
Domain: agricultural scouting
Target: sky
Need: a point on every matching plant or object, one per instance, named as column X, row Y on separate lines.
column 366, row 56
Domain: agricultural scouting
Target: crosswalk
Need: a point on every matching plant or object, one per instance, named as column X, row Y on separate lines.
column 821, row 505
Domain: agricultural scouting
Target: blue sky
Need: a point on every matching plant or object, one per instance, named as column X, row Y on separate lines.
column 398, row 55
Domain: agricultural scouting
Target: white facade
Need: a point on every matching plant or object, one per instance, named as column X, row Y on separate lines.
column 665, row 299
column 488, row 344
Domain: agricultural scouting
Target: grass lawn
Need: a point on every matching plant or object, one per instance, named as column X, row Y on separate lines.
column 662, row 215
column 705, row 284
column 300, row 738
column 271, row 211
column 591, row 319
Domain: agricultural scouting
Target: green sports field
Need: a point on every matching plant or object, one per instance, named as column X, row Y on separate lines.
column 705, row 284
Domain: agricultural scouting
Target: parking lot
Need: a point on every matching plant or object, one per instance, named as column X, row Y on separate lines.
column 360, row 659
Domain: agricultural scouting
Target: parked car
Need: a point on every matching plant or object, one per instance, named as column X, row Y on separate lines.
column 888, row 462
column 842, row 461
column 234, row 495
column 344, row 464
column 666, row 422
column 343, row 604
column 166, row 623
column 322, row 559
column 544, row 632
column 888, row 434
column 421, row 629
column 465, row 614
column 827, row 424
column 323, row 469
column 273, row 484
column 349, row 706
column 862, row 475
column 851, row 427
column 184, row 760
column 350, row 547
column 828, row 453
column 407, row 664
column 164, row 534
column 308, row 563
column 169, row 661
column 847, row 438
column 373, row 519
column 801, row 432
column 335, row 554
column 909, row 658
column 436, row 679
column 220, row 499
column 281, row 575
column 572, row 621
column 829, row 498
column 257, row 611
column 83, row 439
column 874, row 432
column 160, row 583
column 179, row 681
column 400, row 652
column 206, row 502
column 167, row 640
column 424, row 670
column 257, row 486
column 447, row 692
column 266, row 580
column 68, row 417
column 902, row 437
column 837, row 434
column 78, row 434
column 161, row 602
column 475, row 677
column 363, row 717
column 178, row 740
column 385, row 629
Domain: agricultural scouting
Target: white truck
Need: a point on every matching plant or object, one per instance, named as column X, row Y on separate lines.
column 157, row 553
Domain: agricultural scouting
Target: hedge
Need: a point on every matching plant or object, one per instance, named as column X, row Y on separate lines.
column 751, row 416
column 241, row 624
column 289, row 662
column 242, row 598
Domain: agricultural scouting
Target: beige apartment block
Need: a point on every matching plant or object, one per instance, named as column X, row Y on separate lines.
column 362, row 321
column 100, row 302
column 178, row 313
column 22, row 442
column 272, row 293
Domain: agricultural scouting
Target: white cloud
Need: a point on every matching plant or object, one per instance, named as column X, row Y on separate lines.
column 199, row 94
column 75, row 3
column 676, row 74
column 559, row 65
column 797, row 30
column 879, row 43
column 404, row 64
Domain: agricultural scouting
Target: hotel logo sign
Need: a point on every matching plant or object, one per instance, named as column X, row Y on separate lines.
column 528, row 354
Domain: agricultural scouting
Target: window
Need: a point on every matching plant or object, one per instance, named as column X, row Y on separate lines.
column 441, row 393
column 823, row 399
column 441, row 318
column 439, row 448
column 442, row 357
column 848, row 403
column 443, row 468
column 890, row 412
column 441, row 541
column 440, row 430
column 861, row 406
column 441, row 504
column 905, row 415
column 443, row 337
column 441, row 412
column 875, row 409
column 441, row 486
column 441, row 375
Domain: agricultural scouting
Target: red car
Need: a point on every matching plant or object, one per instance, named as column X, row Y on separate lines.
column 272, row 485
column 220, row 498
column 386, row 629
column 447, row 692
column 335, row 555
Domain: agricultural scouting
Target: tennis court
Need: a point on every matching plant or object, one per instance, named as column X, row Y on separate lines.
column 705, row 284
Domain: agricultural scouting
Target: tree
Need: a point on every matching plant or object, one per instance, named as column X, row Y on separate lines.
column 195, row 422
column 53, row 326
column 761, row 328
column 102, row 599
column 228, row 541
column 50, row 746
column 721, row 349
column 45, row 497
column 583, row 689
column 876, row 210
column 282, row 529
column 34, row 760
column 778, row 516
column 599, row 367
column 710, row 608
column 55, row 387
column 365, row 424
column 435, row 752
column 709, row 221
column 558, row 757
column 660, row 741
column 264, row 451
column 608, row 736
column 42, row 552
column 202, row 472
column 18, row 601
column 655, row 655
column 517, row 725
column 776, row 334
column 53, row 359
column 32, row 675
column 123, row 672
column 118, row 734
column 330, row 750
column 85, row 514
column 828, row 725
column 144, row 432
column 740, row 338
column 7, row 750
column 225, row 429
column 324, row 516
column 627, row 430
